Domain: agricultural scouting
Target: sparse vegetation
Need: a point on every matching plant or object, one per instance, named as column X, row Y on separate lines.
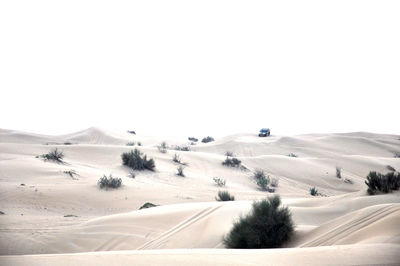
column 2, row 213
column 177, row 159
column 224, row 196
column 232, row 162
column 71, row 173
column 219, row 181
column 139, row 143
column 348, row 181
column 137, row 161
column 109, row 182
column 267, row 226
column 148, row 205
column 54, row 155
column 262, row 180
column 131, row 143
column 314, row 191
column 162, row 147
column 274, row 182
column 182, row 148
column 70, row 215
column 132, row 174
column 180, row 171
column 384, row 183
column 229, row 154
column 193, row 139
column 390, row 168
column 67, row 143
column 207, row 139
column 292, row 155
column 338, row 172
column 396, row 155
column 131, row 132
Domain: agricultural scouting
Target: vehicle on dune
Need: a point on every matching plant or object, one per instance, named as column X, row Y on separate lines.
column 264, row 132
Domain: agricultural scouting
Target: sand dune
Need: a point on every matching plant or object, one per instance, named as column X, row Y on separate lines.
column 347, row 225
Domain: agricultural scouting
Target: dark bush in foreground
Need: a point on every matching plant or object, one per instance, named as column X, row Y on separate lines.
column 224, row 196
column 137, row 161
column 109, row 182
column 148, row 205
column 266, row 226
column 207, row 139
column 378, row 182
column 54, row 155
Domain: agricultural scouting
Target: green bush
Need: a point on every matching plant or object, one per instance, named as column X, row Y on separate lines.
column 266, row 226
column 224, row 196
column 378, row 182
column 109, row 182
column 137, row 161
column 54, row 155
column 262, row 180
column 314, row 191
column 232, row 162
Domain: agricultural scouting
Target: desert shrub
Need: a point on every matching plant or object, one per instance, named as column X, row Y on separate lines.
column 67, row 143
column 396, row 155
column 71, row 173
column 390, row 168
column 348, row 181
column 70, row 215
column 162, row 147
column 338, row 172
column 314, row 191
column 274, row 182
column 229, row 154
column 180, row 171
column 109, row 182
column 224, row 196
column 132, row 174
column 258, row 173
column 177, row 158
column 54, row 155
column 131, row 132
column 384, row 183
column 219, row 181
column 139, row 143
column 148, row 205
column 232, row 162
column 292, row 155
column 137, row 161
column 262, row 180
column 266, row 226
column 2, row 213
column 193, row 139
column 207, row 139
column 182, row 148
column 132, row 143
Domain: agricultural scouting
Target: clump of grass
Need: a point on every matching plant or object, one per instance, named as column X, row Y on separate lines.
column 71, row 173
column 224, row 196
column 177, row 159
column 314, row 191
column 148, row 205
column 54, row 155
column 131, row 132
column 384, row 183
column 182, row 148
column 180, row 171
column 207, row 139
column 162, row 147
column 70, row 215
column 132, row 174
column 131, row 143
column 193, row 139
column 229, row 154
column 274, row 182
column 338, row 172
column 139, row 143
column 292, row 155
column 109, row 182
column 219, row 181
column 390, row 168
column 266, row 226
column 137, row 161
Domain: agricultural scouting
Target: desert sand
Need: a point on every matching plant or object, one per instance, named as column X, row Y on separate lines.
column 346, row 226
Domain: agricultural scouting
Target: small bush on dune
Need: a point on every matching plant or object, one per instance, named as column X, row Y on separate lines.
column 162, row 147
column 229, row 154
column 132, row 143
column 135, row 160
column 338, row 172
column 267, row 226
column 390, row 168
column 314, row 191
column 224, row 196
column 219, row 181
column 71, row 173
column 54, row 155
column 207, row 139
column 109, row 182
column 232, row 162
column 131, row 132
column 180, row 171
column 378, row 182
column 262, row 180
column 274, row 182
column 396, row 155
column 177, row 158
column 192, row 139
column 182, row 148
column 139, row 143
column 148, row 205
column 292, row 155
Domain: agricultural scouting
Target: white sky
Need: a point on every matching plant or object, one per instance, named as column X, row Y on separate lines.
column 200, row 67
